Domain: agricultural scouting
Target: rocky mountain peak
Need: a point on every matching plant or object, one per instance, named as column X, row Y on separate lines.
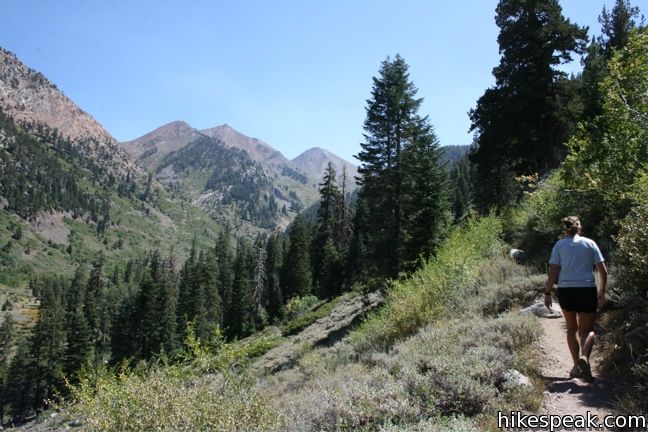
column 315, row 160
column 257, row 150
column 165, row 139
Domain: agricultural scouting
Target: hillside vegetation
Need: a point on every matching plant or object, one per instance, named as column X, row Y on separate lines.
column 437, row 355
column 61, row 209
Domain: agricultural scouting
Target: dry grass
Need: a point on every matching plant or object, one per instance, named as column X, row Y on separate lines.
column 448, row 370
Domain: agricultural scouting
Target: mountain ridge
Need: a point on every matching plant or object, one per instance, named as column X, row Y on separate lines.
column 149, row 148
column 31, row 99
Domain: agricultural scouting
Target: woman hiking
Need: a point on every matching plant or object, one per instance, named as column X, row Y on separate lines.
column 571, row 264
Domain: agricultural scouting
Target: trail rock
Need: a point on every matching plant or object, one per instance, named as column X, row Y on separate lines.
column 516, row 378
column 541, row 311
column 519, row 256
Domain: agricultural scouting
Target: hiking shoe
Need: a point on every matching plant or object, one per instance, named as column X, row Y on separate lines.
column 584, row 366
column 575, row 372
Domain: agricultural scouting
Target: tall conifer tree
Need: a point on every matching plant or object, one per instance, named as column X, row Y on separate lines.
column 78, row 352
column 225, row 274
column 48, row 343
column 326, row 259
column 7, row 336
column 393, row 128
column 296, row 272
column 274, row 258
column 426, row 200
column 241, row 310
column 96, row 310
column 523, row 122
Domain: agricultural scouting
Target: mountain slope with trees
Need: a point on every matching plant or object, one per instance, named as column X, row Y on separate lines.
column 68, row 193
column 236, row 179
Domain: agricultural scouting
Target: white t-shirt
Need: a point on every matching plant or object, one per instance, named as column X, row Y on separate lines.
column 576, row 257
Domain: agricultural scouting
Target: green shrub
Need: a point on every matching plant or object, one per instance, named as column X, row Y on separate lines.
column 167, row 399
column 308, row 317
column 633, row 255
column 449, row 369
column 216, row 355
column 426, row 294
column 437, row 424
column 632, row 276
column 298, row 305
column 496, row 298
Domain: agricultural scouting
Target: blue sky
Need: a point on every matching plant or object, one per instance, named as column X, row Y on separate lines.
column 295, row 74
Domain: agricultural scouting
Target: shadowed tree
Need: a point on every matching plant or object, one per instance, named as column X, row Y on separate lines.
column 523, row 122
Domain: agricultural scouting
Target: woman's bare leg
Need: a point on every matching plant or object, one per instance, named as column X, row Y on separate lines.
column 585, row 326
column 572, row 332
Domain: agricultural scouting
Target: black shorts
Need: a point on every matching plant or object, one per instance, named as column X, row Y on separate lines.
column 582, row 299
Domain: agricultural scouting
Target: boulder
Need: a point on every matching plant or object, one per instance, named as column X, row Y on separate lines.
column 516, row 378
column 541, row 311
column 519, row 256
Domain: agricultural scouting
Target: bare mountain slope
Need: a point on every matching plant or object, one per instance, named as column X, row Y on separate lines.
column 150, row 148
column 255, row 148
column 314, row 161
column 30, row 98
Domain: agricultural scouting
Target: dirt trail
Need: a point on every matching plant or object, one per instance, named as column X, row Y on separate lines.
column 564, row 395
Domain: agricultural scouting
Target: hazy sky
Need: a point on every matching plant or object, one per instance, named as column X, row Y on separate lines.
column 295, row 74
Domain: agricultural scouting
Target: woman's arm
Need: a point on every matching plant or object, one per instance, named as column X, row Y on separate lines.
column 552, row 278
column 602, row 271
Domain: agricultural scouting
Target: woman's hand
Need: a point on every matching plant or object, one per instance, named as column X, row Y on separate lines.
column 547, row 300
column 601, row 301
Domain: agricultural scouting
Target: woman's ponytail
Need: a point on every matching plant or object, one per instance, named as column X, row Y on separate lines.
column 572, row 225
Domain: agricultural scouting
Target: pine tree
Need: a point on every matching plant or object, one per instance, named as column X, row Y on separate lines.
column 343, row 231
column 188, row 286
column 259, row 294
column 392, row 129
column 20, row 387
column 124, row 341
column 154, row 311
column 225, row 275
column 144, row 314
column 96, row 310
column 616, row 27
column 48, row 343
column 426, row 199
column 78, row 352
column 296, row 271
column 274, row 258
column 332, row 269
column 359, row 266
column 7, row 336
column 241, row 308
column 523, row 122
column 208, row 273
column 461, row 189
column 324, row 256
column 166, row 306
